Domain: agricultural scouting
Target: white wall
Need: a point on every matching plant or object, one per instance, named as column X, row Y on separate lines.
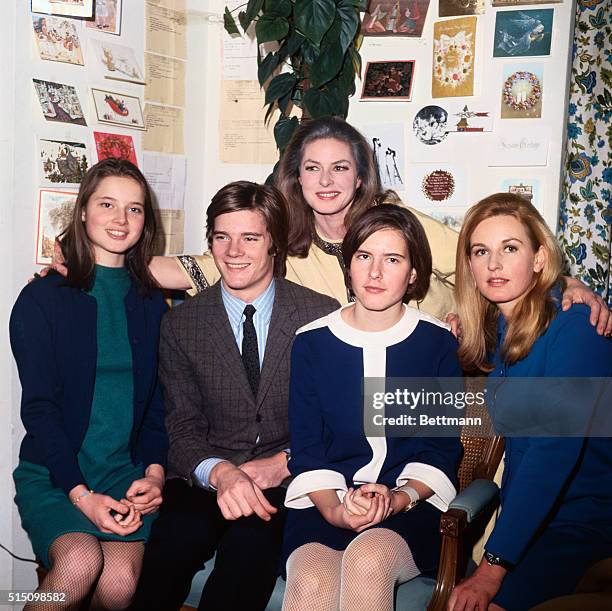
column 7, row 53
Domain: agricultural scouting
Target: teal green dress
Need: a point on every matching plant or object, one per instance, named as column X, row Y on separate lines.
column 104, row 457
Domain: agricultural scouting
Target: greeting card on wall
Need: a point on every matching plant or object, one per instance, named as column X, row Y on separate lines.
column 107, row 17
column 430, row 125
column 523, row 33
column 387, row 143
column 57, row 39
column 452, row 217
column 522, row 91
column 118, row 109
column 59, row 102
column 117, row 62
column 54, row 214
column 453, row 58
column 71, row 8
column 512, row 147
column 529, row 188
column 62, row 162
column 468, row 118
column 438, row 185
column 388, row 81
column 521, row 2
column 117, row 146
column 395, row 18
column 454, row 8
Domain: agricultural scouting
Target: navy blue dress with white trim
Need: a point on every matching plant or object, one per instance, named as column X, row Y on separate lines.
column 328, row 447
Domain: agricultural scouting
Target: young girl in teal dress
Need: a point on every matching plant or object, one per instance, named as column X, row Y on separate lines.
column 91, row 466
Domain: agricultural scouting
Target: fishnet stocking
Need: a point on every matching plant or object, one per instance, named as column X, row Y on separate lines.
column 313, row 579
column 372, row 564
column 76, row 561
column 117, row 582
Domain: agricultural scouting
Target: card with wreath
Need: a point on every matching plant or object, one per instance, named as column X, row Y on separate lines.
column 453, row 58
column 522, row 91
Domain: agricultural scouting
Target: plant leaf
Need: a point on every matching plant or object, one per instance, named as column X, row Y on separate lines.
column 281, row 8
column 283, row 103
column 349, row 17
column 310, row 51
column 320, row 103
column 294, row 42
column 229, row 24
column 279, row 86
column 267, row 67
column 253, row 9
column 314, row 17
column 327, row 65
column 283, row 130
column 271, row 28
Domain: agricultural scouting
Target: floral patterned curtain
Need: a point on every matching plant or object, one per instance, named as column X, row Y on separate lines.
column 585, row 220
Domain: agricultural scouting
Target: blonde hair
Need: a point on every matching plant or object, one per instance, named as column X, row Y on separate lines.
column 535, row 310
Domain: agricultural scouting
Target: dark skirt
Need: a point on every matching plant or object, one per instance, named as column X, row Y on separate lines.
column 419, row 527
column 47, row 513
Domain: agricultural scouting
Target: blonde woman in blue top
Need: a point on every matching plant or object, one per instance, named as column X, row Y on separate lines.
column 91, row 466
column 556, row 493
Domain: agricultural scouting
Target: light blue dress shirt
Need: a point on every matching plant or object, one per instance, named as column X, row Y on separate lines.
column 261, row 320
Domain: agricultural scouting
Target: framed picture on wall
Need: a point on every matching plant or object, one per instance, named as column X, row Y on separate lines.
column 83, row 9
column 61, row 161
column 117, row 62
column 118, row 146
column 395, row 18
column 59, row 102
column 57, row 39
column 54, row 213
column 388, row 80
column 118, row 109
column 107, row 17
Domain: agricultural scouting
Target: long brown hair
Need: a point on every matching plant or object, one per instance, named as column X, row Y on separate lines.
column 266, row 199
column 301, row 216
column 77, row 249
column 535, row 310
column 391, row 216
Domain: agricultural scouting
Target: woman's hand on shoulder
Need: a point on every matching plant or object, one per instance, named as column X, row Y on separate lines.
column 577, row 292
column 99, row 508
column 145, row 494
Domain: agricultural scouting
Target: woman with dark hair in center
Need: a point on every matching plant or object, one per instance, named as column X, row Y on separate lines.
column 364, row 512
column 91, row 466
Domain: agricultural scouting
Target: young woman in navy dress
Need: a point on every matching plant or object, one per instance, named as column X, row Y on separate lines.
column 556, row 493
column 349, row 538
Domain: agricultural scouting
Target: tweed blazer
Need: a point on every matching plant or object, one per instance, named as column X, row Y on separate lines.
column 210, row 408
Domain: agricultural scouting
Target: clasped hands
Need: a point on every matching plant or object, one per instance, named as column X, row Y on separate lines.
column 240, row 489
column 366, row 506
column 123, row 517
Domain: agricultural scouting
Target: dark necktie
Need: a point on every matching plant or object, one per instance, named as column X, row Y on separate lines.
column 250, row 353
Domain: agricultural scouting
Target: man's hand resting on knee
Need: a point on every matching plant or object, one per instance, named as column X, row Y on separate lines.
column 267, row 472
column 237, row 494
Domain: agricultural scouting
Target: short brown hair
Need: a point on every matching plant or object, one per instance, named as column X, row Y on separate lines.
column 266, row 199
column 76, row 247
column 391, row 216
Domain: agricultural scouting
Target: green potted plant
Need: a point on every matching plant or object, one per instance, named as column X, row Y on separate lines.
column 315, row 61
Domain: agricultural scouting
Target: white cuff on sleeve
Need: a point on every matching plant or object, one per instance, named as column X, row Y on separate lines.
column 444, row 491
column 311, row 481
